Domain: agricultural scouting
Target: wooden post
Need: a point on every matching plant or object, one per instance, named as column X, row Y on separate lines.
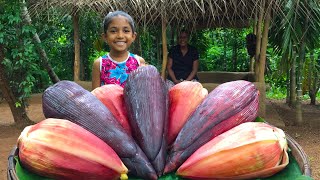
column 258, row 45
column 293, row 85
column 76, row 36
column 164, row 47
column 264, row 44
column 261, row 61
column 255, row 23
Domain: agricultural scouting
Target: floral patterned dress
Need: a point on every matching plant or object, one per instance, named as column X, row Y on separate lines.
column 113, row 72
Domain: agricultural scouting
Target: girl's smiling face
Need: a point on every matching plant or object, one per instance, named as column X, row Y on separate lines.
column 119, row 35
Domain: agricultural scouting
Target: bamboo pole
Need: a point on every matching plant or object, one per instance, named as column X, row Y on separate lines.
column 288, row 85
column 76, row 37
column 258, row 45
column 264, row 44
column 164, row 47
column 302, row 57
column 293, row 95
column 255, row 23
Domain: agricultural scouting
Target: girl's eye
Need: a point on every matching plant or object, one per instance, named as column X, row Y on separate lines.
column 112, row 30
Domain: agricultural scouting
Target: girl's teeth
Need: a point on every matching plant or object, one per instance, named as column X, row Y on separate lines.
column 120, row 43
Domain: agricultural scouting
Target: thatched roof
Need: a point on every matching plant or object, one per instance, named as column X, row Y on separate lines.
column 202, row 13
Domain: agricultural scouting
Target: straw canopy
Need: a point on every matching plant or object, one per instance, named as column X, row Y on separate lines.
column 200, row 13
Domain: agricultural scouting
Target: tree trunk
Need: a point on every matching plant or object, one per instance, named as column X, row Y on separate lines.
column 299, row 120
column 313, row 79
column 264, row 45
column 224, row 50
column 310, row 69
column 76, row 36
column 252, row 64
column 18, row 111
column 255, row 23
column 45, row 60
column 258, row 45
column 288, row 86
column 315, row 88
column 293, row 85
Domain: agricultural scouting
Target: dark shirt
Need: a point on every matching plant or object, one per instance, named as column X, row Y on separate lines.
column 182, row 65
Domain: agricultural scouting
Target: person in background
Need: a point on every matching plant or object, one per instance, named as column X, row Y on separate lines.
column 183, row 61
column 115, row 66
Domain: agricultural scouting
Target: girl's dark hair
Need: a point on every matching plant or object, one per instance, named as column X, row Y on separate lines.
column 111, row 15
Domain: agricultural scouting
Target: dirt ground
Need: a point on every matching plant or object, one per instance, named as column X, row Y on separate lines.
column 278, row 114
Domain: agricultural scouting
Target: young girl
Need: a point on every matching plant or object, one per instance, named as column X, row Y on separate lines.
column 114, row 67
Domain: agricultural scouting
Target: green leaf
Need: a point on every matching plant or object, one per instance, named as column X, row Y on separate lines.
column 18, row 104
column 24, row 174
column 259, row 119
column 26, row 90
column 292, row 171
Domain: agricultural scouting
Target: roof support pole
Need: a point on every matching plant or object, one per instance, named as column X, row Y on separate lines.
column 164, row 47
column 258, row 44
column 255, row 22
column 76, row 37
column 264, row 45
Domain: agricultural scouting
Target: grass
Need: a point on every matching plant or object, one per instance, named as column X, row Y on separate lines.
column 281, row 93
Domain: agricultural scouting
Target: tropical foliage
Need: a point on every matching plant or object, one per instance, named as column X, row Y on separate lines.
column 294, row 35
column 21, row 59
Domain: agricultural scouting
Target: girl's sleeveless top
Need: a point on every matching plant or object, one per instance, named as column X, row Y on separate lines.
column 113, row 72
